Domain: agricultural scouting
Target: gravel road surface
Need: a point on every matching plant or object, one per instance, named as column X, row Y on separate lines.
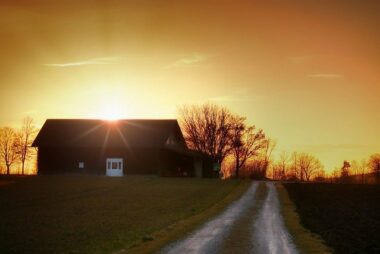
column 252, row 224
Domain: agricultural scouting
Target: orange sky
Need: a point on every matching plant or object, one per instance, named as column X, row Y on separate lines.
column 305, row 71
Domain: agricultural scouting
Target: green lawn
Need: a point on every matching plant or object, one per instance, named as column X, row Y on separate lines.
column 96, row 214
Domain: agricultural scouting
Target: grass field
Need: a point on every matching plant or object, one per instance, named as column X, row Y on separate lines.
column 96, row 214
column 306, row 241
column 346, row 216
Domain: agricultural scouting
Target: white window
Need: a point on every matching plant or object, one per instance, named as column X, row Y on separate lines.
column 114, row 167
column 81, row 164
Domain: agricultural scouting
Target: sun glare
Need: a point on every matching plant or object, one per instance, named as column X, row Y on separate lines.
column 111, row 110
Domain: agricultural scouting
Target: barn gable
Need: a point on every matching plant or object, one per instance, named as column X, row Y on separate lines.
column 101, row 133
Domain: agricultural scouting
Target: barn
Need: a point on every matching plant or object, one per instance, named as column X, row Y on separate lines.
column 118, row 148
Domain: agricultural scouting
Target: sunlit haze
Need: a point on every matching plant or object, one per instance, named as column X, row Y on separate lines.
column 307, row 72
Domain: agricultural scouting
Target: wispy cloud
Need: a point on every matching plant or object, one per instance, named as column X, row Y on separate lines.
column 189, row 60
column 92, row 61
column 299, row 59
column 325, row 75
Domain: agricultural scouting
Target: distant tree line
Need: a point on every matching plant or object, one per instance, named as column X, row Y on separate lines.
column 364, row 171
column 15, row 146
column 306, row 167
column 298, row 167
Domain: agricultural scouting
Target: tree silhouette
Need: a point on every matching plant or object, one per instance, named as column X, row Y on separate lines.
column 215, row 131
column 306, row 166
column 296, row 171
column 280, row 167
column 363, row 168
column 24, row 141
column 246, row 143
column 345, row 170
column 8, row 147
column 268, row 147
column 298, row 167
column 208, row 129
column 374, row 165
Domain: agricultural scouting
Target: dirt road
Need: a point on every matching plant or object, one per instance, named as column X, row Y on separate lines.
column 252, row 224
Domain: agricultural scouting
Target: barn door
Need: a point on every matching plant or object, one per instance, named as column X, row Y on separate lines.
column 114, row 167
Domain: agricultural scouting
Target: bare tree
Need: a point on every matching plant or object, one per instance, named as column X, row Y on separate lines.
column 345, row 170
column 246, row 143
column 335, row 175
column 280, row 167
column 276, row 171
column 374, row 165
column 207, row 129
column 8, row 147
column 24, row 141
column 308, row 166
column 269, row 146
column 256, row 168
column 283, row 165
column 355, row 167
column 363, row 166
column 297, row 175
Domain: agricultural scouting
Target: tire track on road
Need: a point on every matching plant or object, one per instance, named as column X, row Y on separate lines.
column 239, row 238
column 269, row 232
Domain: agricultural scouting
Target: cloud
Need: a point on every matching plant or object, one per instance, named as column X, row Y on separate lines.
column 325, row 75
column 299, row 59
column 92, row 61
column 189, row 60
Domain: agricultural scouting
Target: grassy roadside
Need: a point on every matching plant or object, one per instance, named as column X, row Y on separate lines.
column 177, row 230
column 305, row 241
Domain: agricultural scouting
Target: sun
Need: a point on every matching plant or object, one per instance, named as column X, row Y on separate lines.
column 111, row 110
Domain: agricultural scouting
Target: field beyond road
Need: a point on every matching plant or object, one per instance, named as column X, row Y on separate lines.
column 97, row 214
column 346, row 216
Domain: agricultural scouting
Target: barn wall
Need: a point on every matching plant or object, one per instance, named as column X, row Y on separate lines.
column 66, row 160
column 136, row 161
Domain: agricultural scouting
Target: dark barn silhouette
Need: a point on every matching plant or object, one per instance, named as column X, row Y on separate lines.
column 118, row 148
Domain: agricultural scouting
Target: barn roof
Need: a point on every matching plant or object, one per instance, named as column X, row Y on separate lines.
column 101, row 133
